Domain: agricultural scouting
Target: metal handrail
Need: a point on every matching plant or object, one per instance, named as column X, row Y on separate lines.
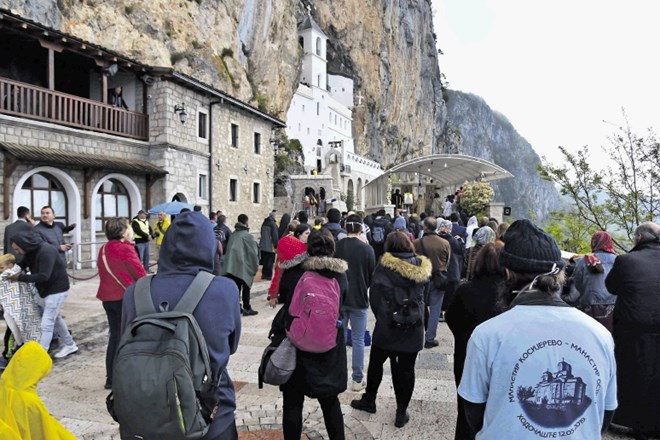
column 76, row 251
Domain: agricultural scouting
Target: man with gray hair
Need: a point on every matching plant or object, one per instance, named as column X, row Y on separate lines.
column 635, row 280
column 437, row 250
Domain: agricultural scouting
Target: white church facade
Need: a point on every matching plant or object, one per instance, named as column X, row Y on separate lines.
column 320, row 117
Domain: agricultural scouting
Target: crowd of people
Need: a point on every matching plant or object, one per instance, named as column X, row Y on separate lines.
column 542, row 344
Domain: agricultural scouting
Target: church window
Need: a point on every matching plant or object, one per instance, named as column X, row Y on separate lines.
column 43, row 189
column 318, row 46
column 318, row 108
column 111, row 200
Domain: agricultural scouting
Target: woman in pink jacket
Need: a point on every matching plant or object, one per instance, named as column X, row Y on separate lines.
column 119, row 267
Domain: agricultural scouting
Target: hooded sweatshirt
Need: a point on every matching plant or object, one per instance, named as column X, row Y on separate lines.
column 188, row 248
column 47, row 269
column 20, row 406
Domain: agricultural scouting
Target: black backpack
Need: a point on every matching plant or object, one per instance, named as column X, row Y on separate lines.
column 162, row 379
column 407, row 311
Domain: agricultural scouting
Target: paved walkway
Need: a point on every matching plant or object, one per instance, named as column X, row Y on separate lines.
column 74, row 392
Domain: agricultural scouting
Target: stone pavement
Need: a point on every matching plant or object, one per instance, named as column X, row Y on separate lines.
column 74, row 393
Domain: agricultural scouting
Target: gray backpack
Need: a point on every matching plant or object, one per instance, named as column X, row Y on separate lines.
column 162, row 379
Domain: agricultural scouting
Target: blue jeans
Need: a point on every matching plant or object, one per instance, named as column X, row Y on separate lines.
column 358, row 320
column 435, row 306
column 52, row 320
column 143, row 254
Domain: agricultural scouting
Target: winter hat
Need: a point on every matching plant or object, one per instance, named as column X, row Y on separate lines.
column 400, row 224
column 527, row 248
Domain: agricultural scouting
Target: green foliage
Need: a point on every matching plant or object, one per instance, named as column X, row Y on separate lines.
column 350, row 201
column 262, row 102
column 477, row 197
column 620, row 197
column 287, row 154
column 129, row 9
column 227, row 52
column 196, row 44
column 570, row 232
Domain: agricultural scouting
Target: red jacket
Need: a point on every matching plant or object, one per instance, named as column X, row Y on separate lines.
column 124, row 263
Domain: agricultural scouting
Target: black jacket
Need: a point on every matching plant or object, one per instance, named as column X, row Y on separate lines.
column 385, row 223
column 634, row 279
column 398, row 271
column 318, row 374
column 269, row 235
column 10, row 232
column 473, row 303
column 361, row 264
column 456, row 259
column 47, row 269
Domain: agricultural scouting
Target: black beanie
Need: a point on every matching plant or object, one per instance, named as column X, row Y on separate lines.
column 529, row 249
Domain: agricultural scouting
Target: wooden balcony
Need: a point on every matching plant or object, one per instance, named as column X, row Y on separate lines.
column 32, row 102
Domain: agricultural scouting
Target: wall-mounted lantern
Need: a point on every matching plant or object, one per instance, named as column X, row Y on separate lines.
column 181, row 111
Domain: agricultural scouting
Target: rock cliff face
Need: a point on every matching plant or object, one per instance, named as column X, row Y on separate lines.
column 473, row 128
column 249, row 48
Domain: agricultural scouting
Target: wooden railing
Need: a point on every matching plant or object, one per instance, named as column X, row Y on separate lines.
column 26, row 100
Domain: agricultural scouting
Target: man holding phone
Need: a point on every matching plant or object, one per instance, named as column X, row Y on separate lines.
column 53, row 232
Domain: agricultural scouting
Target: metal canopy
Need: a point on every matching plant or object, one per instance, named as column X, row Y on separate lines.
column 446, row 170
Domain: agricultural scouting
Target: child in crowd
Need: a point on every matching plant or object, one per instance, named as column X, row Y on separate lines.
column 19, row 308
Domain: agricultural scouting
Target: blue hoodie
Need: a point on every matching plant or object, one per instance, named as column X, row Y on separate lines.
column 188, row 248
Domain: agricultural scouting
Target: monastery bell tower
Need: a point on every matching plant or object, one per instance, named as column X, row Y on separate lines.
column 314, row 43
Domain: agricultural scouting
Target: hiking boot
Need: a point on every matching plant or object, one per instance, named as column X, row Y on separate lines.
column 66, row 350
column 431, row 344
column 401, row 418
column 358, row 386
column 366, row 403
column 249, row 312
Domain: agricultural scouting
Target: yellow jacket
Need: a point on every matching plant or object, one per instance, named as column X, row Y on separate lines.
column 21, row 407
column 160, row 228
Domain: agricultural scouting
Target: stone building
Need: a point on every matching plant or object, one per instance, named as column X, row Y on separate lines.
column 63, row 143
column 320, row 117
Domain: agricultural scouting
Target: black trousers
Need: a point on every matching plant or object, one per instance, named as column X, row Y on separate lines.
column 267, row 261
column 292, row 420
column 243, row 289
column 403, row 374
column 113, row 312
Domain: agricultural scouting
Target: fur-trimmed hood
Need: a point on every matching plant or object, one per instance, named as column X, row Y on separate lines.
column 417, row 273
column 294, row 261
column 325, row 263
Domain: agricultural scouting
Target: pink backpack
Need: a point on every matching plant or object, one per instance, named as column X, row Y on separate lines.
column 314, row 312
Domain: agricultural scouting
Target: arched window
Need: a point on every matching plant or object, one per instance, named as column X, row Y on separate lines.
column 41, row 189
column 111, row 201
column 318, row 46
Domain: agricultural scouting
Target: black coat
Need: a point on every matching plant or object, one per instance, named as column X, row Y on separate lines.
column 318, row 374
column 398, row 271
column 473, row 303
column 455, row 266
column 635, row 280
column 361, row 264
column 632, row 279
column 47, row 270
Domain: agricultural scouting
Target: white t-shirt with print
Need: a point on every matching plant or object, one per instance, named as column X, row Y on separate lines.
column 543, row 372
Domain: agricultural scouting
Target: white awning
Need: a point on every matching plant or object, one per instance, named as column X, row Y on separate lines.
column 445, row 169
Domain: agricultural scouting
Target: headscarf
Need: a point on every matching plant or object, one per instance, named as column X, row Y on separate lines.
column 484, row 235
column 602, row 241
column 472, row 224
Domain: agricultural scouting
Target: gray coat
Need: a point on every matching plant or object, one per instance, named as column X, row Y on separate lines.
column 269, row 235
column 592, row 285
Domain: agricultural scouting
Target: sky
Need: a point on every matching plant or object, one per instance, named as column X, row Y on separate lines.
column 556, row 69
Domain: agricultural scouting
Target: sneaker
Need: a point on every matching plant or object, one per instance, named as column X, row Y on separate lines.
column 431, row 344
column 249, row 312
column 365, row 403
column 358, row 386
column 402, row 417
column 66, row 350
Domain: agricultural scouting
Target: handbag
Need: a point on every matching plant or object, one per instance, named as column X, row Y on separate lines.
column 277, row 363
